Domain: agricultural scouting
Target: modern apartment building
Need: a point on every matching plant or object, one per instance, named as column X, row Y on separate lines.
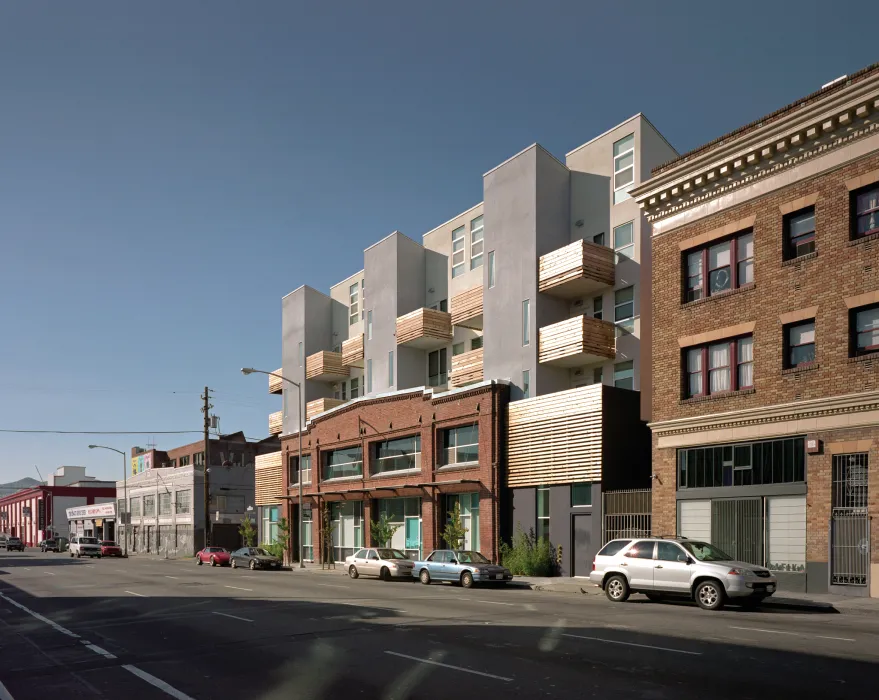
column 766, row 340
column 543, row 288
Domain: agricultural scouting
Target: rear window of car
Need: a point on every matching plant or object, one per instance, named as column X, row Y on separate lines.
column 612, row 548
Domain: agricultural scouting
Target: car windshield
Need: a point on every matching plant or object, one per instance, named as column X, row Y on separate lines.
column 706, row 552
column 391, row 554
column 472, row 558
column 259, row 552
column 108, row 543
column 88, row 540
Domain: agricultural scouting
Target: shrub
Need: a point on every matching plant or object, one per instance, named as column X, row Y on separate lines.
column 529, row 555
column 276, row 549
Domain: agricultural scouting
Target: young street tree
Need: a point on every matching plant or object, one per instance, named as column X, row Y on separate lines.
column 247, row 531
column 455, row 531
column 383, row 531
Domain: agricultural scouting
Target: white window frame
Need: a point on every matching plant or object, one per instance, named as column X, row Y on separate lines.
column 445, row 451
column 627, row 250
column 620, row 193
column 477, row 242
column 304, row 474
column 458, row 264
column 354, row 303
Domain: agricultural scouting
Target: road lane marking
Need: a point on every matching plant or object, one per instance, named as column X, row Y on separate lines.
column 632, row 644
column 139, row 595
column 37, row 615
column 48, row 573
column 103, row 652
column 454, row 668
column 837, row 639
column 157, row 683
column 240, row 589
column 495, row 602
column 758, row 629
column 121, row 571
column 330, row 585
column 5, row 694
column 234, row 617
column 166, row 576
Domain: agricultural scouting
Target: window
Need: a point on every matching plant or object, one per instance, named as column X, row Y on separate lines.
column 134, row 505
column 369, row 376
column 624, row 309
column 476, row 243
column 614, row 547
column 543, row 512
column 799, row 233
column 437, row 374
column 270, row 517
column 347, row 461
column 405, row 513
column 597, row 375
column 526, row 322
column 526, row 383
column 624, row 375
column 164, row 504
column 865, row 325
column 227, row 504
column 720, row 367
column 369, row 325
column 307, row 546
column 866, row 205
column 624, row 241
column 344, row 390
column 598, row 238
column 149, row 506
column 293, row 471
column 390, row 369
column 173, row 464
column 490, row 269
column 743, row 464
column 347, row 528
column 182, row 502
column 458, row 251
column 597, row 307
column 355, row 387
column 799, row 344
column 362, row 297
column 476, row 343
column 185, row 461
column 198, row 459
column 300, row 354
column 354, row 304
column 729, row 265
column 641, row 550
column 669, row 551
column 469, row 508
column 457, row 349
column 460, row 445
column 623, row 167
column 581, row 494
column 396, row 455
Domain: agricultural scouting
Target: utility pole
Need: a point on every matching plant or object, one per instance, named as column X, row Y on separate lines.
column 207, row 446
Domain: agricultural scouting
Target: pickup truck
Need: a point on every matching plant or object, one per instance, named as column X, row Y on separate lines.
column 84, row 547
column 12, row 544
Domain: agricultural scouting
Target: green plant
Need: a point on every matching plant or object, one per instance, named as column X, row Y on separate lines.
column 327, row 556
column 383, row 530
column 529, row 555
column 247, row 531
column 283, row 540
column 274, row 549
column 455, row 531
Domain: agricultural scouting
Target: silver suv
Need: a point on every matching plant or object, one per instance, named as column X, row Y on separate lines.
column 679, row 567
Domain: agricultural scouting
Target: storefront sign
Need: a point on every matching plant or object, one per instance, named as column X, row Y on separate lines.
column 98, row 510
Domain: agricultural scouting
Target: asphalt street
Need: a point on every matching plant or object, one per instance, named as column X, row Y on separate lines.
column 144, row 628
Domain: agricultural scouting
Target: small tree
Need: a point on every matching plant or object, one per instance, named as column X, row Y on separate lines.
column 383, row 531
column 455, row 531
column 247, row 531
column 327, row 560
column 283, row 540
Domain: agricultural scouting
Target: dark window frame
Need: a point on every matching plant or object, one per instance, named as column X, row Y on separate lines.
column 856, row 215
column 762, row 462
column 789, row 346
column 704, row 287
column 733, row 368
column 791, row 248
column 854, row 349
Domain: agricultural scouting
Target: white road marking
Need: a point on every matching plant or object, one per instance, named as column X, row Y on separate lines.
column 48, row 573
column 837, row 639
column 121, row 571
column 98, row 650
column 454, row 668
column 5, row 694
column 166, row 576
column 139, row 595
column 240, row 589
column 495, row 602
column 632, row 644
column 157, row 683
column 330, row 585
column 53, row 625
column 234, row 617
column 758, row 629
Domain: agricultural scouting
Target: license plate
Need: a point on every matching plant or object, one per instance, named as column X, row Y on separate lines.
column 495, row 576
column 770, row 588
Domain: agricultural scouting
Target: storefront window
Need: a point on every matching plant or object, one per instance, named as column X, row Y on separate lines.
column 469, row 516
column 405, row 513
column 348, row 528
column 135, row 504
column 397, row 455
column 307, row 546
column 164, row 504
column 270, row 517
column 347, row 461
column 149, row 506
column 182, row 500
column 743, row 464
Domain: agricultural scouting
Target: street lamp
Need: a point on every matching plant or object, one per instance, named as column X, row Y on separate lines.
column 125, row 489
column 249, row 370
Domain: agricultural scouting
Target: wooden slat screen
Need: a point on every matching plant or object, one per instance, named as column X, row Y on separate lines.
column 577, row 336
column 352, row 351
column 313, row 408
column 467, row 306
column 556, row 438
column 466, row 368
column 424, row 323
column 269, row 479
column 579, row 260
column 276, row 422
column 325, row 363
column 276, row 384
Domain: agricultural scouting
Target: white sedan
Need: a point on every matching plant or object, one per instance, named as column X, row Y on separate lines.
column 382, row 562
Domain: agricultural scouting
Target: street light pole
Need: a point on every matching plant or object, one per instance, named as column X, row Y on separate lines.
column 249, row 370
column 124, row 493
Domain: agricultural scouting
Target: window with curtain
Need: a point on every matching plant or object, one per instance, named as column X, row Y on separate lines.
column 799, row 344
column 866, row 218
column 799, row 233
column 865, row 330
column 719, row 367
column 719, row 267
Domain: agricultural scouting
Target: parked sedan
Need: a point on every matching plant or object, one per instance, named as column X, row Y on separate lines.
column 254, row 558
column 384, row 563
column 459, row 566
column 110, row 549
column 216, row 556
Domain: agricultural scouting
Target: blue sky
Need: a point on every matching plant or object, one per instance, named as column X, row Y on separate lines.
column 169, row 170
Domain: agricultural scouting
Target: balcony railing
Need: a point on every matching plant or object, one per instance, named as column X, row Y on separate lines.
column 325, row 366
column 577, row 270
column 318, row 406
column 276, row 422
column 467, row 309
column 425, row 329
column 276, row 384
column 466, row 368
column 578, row 341
column 352, row 351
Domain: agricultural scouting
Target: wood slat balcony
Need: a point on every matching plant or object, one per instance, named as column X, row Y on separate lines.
column 352, row 351
column 276, row 384
column 325, row 366
column 577, row 270
column 268, row 478
column 467, row 309
column 276, row 422
column 466, row 368
column 578, row 341
column 318, row 406
column 425, row 329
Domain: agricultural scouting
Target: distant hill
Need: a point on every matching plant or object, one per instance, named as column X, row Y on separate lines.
column 13, row 486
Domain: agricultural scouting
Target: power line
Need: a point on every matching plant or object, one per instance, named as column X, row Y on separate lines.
column 102, row 432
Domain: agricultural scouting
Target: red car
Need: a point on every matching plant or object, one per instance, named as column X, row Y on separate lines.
column 216, row 556
column 110, row 549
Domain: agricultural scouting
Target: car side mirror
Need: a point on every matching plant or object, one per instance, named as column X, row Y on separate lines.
column 683, row 558
column 453, row 561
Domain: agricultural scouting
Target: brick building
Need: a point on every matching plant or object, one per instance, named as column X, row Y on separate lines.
column 766, row 340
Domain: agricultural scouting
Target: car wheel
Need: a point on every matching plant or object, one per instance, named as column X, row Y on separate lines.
column 617, row 589
column 71, row 555
column 234, row 565
column 213, row 561
column 252, row 565
column 424, row 577
column 385, row 574
column 198, row 559
column 654, row 597
column 467, row 579
column 710, row 595
column 352, row 571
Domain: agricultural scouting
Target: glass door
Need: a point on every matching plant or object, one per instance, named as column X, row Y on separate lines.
column 413, row 537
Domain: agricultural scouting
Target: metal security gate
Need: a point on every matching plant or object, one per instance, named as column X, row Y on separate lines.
column 849, row 522
column 737, row 528
column 626, row 514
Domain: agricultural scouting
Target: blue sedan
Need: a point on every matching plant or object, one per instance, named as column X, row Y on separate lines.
column 459, row 566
